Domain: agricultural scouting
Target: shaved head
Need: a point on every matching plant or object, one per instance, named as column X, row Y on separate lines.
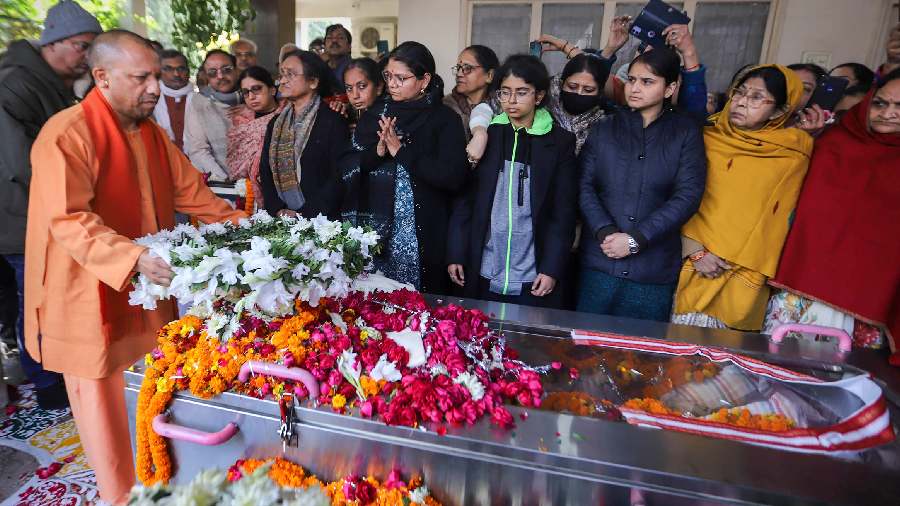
column 111, row 46
column 126, row 70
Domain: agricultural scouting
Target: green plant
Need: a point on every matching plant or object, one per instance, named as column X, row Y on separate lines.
column 23, row 19
column 201, row 26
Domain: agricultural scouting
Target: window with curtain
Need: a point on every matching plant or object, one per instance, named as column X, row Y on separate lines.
column 505, row 28
column 579, row 23
column 728, row 36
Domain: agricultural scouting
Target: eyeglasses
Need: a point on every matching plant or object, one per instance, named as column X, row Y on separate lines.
column 181, row 70
column 754, row 100
column 465, row 68
column 394, row 78
column 505, row 95
column 224, row 71
column 287, row 75
column 255, row 90
column 318, row 49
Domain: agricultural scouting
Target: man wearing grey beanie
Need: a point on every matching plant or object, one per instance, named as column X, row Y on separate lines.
column 36, row 79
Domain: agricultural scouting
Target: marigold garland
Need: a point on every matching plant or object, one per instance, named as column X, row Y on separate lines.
column 738, row 417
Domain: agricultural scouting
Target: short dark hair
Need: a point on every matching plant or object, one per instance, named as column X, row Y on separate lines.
column 662, row 61
column 775, row 81
column 863, row 74
column 260, row 74
column 368, row 67
column 527, row 68
column 485, row 56
column 314, row 68
column 420, row 62
column 318, row 41
column 590, row 63
column 167, row 54
column 336, row 26
column 212, row 52
column 812, row 68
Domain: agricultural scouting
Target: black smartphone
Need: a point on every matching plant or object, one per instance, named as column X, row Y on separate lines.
column 535, row 48
column 382, row 47
column 828, row 93
column 655, row 17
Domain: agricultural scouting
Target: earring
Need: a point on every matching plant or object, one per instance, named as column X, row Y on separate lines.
column 422, row 91
column 106, row 84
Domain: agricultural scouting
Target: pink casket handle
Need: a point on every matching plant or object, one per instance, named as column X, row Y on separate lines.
column 845, row 343
column 280, row 371
column 172, row 431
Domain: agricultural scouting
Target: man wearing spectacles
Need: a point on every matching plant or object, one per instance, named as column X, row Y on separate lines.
column 244, row 51
column 176, row 92
column 208, row 116
column 337, row 44
column 36, row 81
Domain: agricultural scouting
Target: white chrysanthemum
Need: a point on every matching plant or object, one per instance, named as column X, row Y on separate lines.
column 313, row 495
column 470, row 381
column 326, row 229
column 300, row 270
column 204, row 490
column 385, row 370
column 245, row 223
column 213, row 229
column 146, row 294
column 149, row 496
column 187, row 251
column 240, row 187
column 273, row 297
column 227, row 270
column 418, row 495
column 262, row 216
column 214, row 325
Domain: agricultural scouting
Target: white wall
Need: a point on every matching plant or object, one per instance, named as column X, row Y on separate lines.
column 347, row 8
column 848, row 30
column 437, row 24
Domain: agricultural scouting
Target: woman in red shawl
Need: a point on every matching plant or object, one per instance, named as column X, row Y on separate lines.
column 841, row 262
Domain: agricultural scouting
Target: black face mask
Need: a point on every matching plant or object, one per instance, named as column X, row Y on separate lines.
column 577, row 104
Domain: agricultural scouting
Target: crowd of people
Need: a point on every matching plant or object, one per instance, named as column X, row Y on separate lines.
column 640, row 194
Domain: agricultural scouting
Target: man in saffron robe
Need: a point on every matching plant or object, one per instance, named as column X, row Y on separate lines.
column 104, row 174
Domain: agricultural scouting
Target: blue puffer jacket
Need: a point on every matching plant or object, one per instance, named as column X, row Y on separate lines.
column 646, row 182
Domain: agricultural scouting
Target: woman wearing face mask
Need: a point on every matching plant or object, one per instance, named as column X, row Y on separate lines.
column 839, row 267
column 411, row 162
column 363, row 84
column 474, row 71
column 299, row 166
column 756, row 169
column 642, row 177
column 512, row 227
column 247, row 134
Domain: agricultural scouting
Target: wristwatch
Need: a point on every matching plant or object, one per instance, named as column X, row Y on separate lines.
column 632, row 245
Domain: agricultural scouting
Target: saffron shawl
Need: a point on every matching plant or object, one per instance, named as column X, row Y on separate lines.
column 843, row 249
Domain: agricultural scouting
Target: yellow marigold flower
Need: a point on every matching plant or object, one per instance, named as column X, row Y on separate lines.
column 338, row 401
column 363, row 335
column 162, row 385
column 148, row 360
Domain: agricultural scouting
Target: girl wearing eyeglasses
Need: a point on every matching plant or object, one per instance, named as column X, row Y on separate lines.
column 411, row 151
column 474, row 72
column 642, row 176
column 756, row 169
column 513, row 225
column 299, row 168
column 247, row 134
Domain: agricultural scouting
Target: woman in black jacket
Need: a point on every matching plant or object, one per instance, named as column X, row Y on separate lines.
column 513, row 226
column 309, row 184
column 643, row 173
column 412, row 159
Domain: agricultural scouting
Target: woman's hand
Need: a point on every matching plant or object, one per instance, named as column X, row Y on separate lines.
column 552, row 43
column 711, row 266
column 543, row 285
column 475, row 148
column 388, row 135
column 616, row 245
column 339, row 107
column 812, row 120
column 680, row 38
column 456, row 274
column 286, row 213
column 618, row 36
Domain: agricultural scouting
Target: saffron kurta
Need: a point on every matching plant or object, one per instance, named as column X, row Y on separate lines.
column 70, row 252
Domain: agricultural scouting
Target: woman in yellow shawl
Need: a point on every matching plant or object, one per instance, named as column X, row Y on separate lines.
column 756, row 168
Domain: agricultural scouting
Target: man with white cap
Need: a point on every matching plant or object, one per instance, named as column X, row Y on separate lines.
column 36, row 79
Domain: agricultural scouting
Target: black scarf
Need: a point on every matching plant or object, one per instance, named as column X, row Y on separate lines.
column 369, row 197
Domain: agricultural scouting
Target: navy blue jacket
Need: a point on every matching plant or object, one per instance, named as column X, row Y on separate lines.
column 646, row 182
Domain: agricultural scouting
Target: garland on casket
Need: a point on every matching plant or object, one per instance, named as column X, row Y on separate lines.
column 281, row 482
column 387, row 354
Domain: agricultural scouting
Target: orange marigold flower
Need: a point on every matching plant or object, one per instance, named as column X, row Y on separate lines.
column 338, row 401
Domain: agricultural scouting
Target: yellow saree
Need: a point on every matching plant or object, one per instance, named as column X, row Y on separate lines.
column 753, row 182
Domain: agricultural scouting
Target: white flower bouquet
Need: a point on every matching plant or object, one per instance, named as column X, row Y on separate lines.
column 261, row 265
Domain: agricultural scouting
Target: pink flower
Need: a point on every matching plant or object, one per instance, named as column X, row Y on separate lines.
column 394, row 480
column 502, row 418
